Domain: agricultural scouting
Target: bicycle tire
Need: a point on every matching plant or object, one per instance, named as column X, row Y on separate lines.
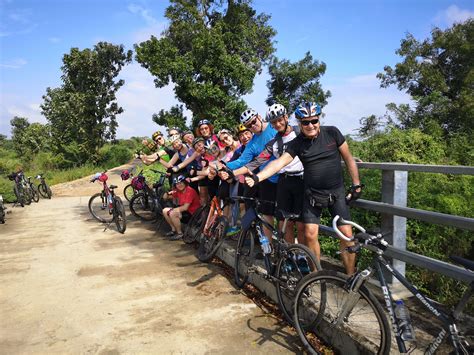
column 244, row 256
column 35, row 193
column 365, row 329
column 296, row 262
column 120, row 217
column 142, row 206
column 208, row 245
column 195, row 225
column 27, row 198
column 129, row 192
column 99, row 209
column 19, row 195
column 42, row 190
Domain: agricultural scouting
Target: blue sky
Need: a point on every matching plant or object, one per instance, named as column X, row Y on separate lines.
column 355, row 39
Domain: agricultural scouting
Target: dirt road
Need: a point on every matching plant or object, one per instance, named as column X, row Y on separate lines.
column 68, row 286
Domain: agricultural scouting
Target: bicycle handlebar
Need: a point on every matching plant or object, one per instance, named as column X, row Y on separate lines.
column 251, row 199
column 343, row 221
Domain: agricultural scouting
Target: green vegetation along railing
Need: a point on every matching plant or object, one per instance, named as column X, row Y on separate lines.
column 394, row 214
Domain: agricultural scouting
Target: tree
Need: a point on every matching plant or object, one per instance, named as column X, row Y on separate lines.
column 211, row 51
column 172, row 118
column 438, row 73
column 19, row 127
column 82, row 112
column 292, row 83
column 369, row 126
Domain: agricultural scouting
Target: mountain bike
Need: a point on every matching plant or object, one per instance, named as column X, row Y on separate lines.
column 283, row 264
column 43, row 188
column 35, row 196
column 2, row 210
column 105, row 206
column 148, row 204
column 20, row 189
column 129, row 191
column 345, row 311
column 192, row 230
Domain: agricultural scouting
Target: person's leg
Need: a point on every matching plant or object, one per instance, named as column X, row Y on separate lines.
column 311, row 238
column 203, row 195
column 168, row 218
column 267, row 191
column 175, row 217
column 289, row 232
column 300, row 230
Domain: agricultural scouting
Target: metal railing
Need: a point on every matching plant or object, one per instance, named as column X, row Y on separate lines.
column 394, row 213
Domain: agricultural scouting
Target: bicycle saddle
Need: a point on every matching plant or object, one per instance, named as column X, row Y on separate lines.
column 288, row 215
column 468, row 264
column 112, row 187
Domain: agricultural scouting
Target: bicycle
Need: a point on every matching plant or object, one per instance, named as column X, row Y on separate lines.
column 284, row 264
column 2, row 210
column 194, row 227
column 105, row 206
column 20, row 188
column 148, row 204
column 345, row 310
column 35, row 196
column 43, row 188
column 128, row 191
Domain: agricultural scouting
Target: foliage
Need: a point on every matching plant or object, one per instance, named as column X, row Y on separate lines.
column 211, row 51
column 369, row 126
column 172, row 118
column 438, row 74
column 29, row 138
column 82, row 112
column 292, row 83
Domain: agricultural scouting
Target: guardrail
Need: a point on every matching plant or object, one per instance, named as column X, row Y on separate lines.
column 394, row 213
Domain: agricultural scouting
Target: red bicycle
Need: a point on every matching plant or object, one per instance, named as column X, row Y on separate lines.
column 105, row 206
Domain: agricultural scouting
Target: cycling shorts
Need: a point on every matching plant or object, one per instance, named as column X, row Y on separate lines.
column 290, row 195
column 266, row 190
column 312, row 214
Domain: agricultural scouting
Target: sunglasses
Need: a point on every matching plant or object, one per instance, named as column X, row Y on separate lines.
column 313, row 122
column 252, row 123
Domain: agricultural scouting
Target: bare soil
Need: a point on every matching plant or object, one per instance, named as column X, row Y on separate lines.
column 69, row 286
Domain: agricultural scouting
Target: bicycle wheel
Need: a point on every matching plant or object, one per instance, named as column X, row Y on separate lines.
column 129, row 192
column 195, row 225
column 99, row 209
column 295, row 262
column 42, row 191
column 142, row 206
column 27, row 195
column 19, row 195
column 208, row 245
column 363, row 326
column 120, row 218
column 244, row 256
column 35, row 193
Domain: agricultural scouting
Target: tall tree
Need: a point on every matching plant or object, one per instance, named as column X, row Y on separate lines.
column 172, row 118
column 438, row 73
column 211, row 51
column 291, row 83
column 19, row 127
column 82, row 112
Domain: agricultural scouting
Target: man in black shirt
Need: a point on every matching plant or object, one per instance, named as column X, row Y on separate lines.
column 320, row 149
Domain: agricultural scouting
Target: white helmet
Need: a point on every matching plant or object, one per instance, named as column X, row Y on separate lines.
column 247, row 116
column 275, row 111
column 174, row 138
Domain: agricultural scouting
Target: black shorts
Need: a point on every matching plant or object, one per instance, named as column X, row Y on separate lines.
column 290, row 195
column 312, row 215
column 266, row 190
column 185, row 217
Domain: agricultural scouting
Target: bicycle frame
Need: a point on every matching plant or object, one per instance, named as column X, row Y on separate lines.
column 215, row 211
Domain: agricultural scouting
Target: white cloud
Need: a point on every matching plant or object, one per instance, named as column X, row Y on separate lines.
column 54, row 39
column 153, row 26
column 14, row 63
column 144, row 13
column 453, row 14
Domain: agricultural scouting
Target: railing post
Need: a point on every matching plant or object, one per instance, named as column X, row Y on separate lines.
column 394, row 191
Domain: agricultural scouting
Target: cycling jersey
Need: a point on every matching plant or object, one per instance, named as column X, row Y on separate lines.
column 188, row 195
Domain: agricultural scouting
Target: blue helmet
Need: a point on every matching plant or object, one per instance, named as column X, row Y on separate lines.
column 307, row 109
column 178, row 179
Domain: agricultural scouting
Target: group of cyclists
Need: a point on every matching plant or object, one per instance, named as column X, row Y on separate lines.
column 296, row 169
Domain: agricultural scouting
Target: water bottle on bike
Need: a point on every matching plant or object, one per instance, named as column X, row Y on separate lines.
column 404, row 322
column 266, row 247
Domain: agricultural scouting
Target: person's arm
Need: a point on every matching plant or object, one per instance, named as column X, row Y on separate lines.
column 183, row 207
column 350, row 163
column 241, row 171
column 262, row 158
column 148, row 159
column 272, row 168
column 187, row 161
column 245, row 158
column 170, row 164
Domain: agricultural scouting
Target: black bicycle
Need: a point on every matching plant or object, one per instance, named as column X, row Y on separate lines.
column 35, row 196
column 346, row 312
column 283, row 264
column 43, row 187
column 2, row 210
column 20, row 188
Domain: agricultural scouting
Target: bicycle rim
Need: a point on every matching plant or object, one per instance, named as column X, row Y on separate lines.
column 244, row 256
column 363, row 330
column 196, row 225
column 296, row 262
column 119, row 215
column 99, row 209
column 209, row 245
column 129, row 192
column 142, row 207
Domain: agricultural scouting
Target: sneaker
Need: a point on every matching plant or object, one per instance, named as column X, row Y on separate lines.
column 170, row 234
column 177, row 236
column 230, row 231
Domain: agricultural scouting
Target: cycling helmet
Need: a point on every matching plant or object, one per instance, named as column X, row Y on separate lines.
column 275, row 111
column 224, row 131
column 185, row 133
column 174, row 129
column 156, row 135
column 197, row 140
column 103, row 177
column 125, row 175
column 201, row 122
column 208, row 145
column 241, row 128
column 247, row 116
column 307, row 109
column 178, row 179
column 174, row 138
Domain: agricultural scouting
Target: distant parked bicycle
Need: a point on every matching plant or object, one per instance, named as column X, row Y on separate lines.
column 347, row 312
column 284, row 264
column 2, row 210
column 129, row 191
column 35, row 196
column 43, row 188
column 21, row 188
column 107, row 207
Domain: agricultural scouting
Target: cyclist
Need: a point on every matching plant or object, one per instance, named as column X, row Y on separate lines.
column 262, row 133
column 320, row 149
column 173, row 131
column 159, row 147
column 188, row 202
column 290, row 187
column 205, row 129
column 244, row 135
column 188, row 137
